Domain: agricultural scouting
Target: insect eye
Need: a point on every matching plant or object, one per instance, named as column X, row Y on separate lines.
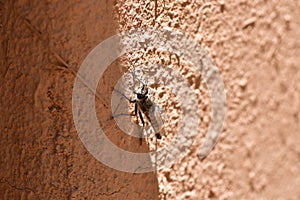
column 140, row 96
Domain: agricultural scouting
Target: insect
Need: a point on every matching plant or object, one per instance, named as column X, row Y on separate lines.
column 143, row 105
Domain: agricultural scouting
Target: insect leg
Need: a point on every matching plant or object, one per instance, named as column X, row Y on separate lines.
column 143, row 122
column 131, row 114
column 124, row 114
column 141, row 117
column 131, row 101
column 135, row 109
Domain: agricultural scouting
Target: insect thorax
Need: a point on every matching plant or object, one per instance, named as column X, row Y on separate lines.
column 145, row 104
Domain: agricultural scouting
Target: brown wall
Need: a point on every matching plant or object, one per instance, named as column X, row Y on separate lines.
column 41, row 155
column 255, row 45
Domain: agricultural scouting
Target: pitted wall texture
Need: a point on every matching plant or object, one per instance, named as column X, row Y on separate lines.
column 256, row 46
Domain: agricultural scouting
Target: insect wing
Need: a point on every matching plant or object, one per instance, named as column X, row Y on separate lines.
column 156, row 117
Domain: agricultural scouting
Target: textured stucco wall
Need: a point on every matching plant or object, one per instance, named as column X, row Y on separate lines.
column 255, row 45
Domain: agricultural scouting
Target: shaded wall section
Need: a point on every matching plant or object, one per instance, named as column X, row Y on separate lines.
column 42, row 46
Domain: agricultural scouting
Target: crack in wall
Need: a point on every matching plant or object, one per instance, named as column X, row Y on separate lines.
column 112, row 193
column 17, row 187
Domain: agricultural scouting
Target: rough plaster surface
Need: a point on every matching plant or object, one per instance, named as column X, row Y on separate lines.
column 256, row 46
